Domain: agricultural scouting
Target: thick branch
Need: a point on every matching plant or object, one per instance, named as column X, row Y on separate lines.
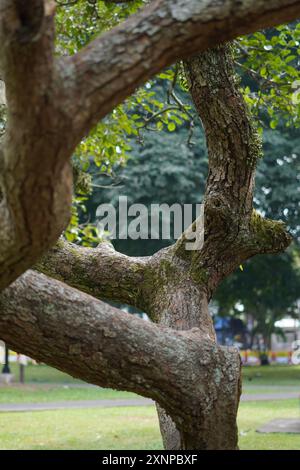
column 101, row 272
column 161, row 285
column 232, row 141
column 111, row 67
column 72, row 331
column 27, row 44
column 21, row 20
column 233, row 232
column 35, row 177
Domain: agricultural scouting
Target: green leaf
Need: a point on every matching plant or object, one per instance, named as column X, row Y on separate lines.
column 171, row 126
column 273, row 124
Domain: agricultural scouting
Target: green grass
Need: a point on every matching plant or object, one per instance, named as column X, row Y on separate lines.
column 44, row 384
column 43, row 374
column 130, row 428
column 254, row 414
column 113, row 428
column 259, row 389
column 48, row 393
column 271, row 375
column 254, row 375
column 42, row 393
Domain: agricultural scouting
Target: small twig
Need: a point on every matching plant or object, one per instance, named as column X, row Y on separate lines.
column 109, row 186
column 66, row 3
column 155, row 115
column 192, row 121
column 258, row 78
column 173, row 83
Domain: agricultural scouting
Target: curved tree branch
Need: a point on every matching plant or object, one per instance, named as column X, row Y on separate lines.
column 160, row 285
column 88, row 339
column 233, row 231
column 35, row 177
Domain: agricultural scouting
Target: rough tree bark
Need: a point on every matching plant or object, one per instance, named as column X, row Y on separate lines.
column 52, row 104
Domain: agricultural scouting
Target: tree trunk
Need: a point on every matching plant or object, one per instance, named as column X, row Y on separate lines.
column 233, row 147
column 183, row 307
column 217, row 100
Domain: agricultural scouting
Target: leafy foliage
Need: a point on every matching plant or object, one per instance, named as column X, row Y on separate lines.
column 278, row 175
column 271, row 61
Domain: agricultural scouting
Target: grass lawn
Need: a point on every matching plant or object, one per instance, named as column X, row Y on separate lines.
column 254, row 414
column 254, row 375
column 41, row 393
column 43, row 374
column 45, row 384
column 260, row 389
column 130, row 428
column 110, row 428
column 271, row 375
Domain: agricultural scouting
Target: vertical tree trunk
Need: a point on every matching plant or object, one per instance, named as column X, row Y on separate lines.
column 233, row 150
column 185, row 306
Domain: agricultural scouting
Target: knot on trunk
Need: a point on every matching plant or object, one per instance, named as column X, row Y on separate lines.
column 23, row 20
column 218, row 213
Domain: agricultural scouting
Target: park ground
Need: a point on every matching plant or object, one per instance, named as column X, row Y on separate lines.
column 131, row 427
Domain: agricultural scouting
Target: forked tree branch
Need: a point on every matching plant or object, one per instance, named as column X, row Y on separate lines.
column 233, row 231
column 158, row 285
